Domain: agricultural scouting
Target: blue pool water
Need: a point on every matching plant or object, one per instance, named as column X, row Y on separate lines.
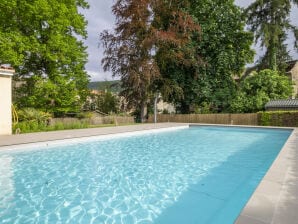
column 192, row 176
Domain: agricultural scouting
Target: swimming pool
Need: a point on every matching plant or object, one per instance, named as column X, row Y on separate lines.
column 194, row 175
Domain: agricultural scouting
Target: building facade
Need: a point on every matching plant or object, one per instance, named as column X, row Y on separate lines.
column 292, row 72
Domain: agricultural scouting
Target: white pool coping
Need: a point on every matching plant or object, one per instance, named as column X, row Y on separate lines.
column 38, row 137
column 71, row 141
column 275, row 200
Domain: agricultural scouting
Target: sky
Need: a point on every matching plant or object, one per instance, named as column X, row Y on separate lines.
column 100, row 17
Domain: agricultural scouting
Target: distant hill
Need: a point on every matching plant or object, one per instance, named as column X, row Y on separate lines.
column 113, row 86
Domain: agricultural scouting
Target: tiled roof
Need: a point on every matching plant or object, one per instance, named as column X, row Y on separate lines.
column 6, row 67
column 6, row 70
column 282, row 103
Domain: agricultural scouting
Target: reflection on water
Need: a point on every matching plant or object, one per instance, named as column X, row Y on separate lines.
column 6, row 182
column 173, row 177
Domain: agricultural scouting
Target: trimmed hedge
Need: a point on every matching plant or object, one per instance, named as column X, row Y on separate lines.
column 278, row 118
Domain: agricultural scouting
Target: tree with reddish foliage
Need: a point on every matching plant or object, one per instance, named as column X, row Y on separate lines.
column 147, row 32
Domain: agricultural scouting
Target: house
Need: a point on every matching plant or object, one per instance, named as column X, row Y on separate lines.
column 6, row 73
column 164, row 107
column 292, row 72
column 274, row 105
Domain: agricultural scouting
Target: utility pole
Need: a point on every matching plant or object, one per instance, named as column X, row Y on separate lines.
column 155, row 107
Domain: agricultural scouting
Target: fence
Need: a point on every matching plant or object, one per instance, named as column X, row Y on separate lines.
column 95, row 120
column 236, row 119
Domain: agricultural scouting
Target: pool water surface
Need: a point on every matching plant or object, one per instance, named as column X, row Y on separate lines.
column 194, row 175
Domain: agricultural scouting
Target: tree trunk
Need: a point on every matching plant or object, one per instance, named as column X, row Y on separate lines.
column 143, row 112
column 274, row 58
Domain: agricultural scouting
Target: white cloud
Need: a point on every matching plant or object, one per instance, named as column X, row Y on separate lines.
column 243, row 3
column 100, row 76
column 99, row 17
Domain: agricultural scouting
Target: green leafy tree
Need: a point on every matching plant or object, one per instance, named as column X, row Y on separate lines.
column 225, row 49
column 107, row 102
column 259, row 88
column 208, row 63
column 59, row 97
column 270, row 22
column 39, row 38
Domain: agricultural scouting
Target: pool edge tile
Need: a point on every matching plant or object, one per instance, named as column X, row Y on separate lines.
column 265, row 208
column 243, row 219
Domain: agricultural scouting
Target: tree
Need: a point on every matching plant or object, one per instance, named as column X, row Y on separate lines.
column 205, row 75
column 39, row 38
column 269, row 20
column 257, row 89
column 225, row 48
column 107, row 102
column 57, row 97
column 128, row 51
column 141, row 31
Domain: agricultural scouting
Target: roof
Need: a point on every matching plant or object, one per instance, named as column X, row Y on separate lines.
column 6, row 70
column 282, row 103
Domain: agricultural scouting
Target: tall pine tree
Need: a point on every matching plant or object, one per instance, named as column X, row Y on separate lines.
column 270, row 22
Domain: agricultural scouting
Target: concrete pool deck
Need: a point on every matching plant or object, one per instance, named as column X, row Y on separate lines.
column 275, row 201
column 9, row 140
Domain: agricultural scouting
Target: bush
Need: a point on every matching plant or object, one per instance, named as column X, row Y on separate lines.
column 278, row 118
column 33, row 115
column 31, row 120
column 29, row 126
column 83, row 115
column 33, row 126
column 259, row 88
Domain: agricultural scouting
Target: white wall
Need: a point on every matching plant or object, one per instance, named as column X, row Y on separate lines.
column 5, row 105
column 294, row 73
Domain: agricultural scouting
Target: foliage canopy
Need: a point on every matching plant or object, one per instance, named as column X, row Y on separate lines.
column 142, row 29
column 259, row 88
column 220, row 53
column 270, row 22
column 39, row 38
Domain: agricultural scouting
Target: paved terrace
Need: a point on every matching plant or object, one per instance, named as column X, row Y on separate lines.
column 275, row 201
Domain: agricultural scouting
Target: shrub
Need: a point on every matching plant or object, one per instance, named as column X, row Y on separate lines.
column 33, row 115
column 31, row 120
column 259, row 88
column 278, row 118
column 83, row 115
